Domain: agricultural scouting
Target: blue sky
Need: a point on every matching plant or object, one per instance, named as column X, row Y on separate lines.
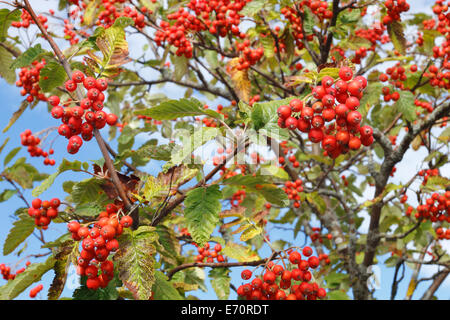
column 39, row 118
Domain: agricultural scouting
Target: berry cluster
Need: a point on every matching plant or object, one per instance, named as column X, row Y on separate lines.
column 296, row 26
column 44, row 212
column 292, row 189
column 6, row 271
column 437, row 77
column 397, row 76
column 317, row 236
column 249, row 56
column 26, row 20
column 32, row 142
column 237, row 198
column 29, row 81
column 333, row 101
column 436, row 208
column 97, row 242
column 373, row 34
column 291, row 282
column 218, row 17
column 443, row 234
column 394, row 9
column 424, row 105
column 320, row 9
column 428, row 173
column 83, row 118
column 148, row 119
column 36, row 290
column 205, row 253
column 107, row 17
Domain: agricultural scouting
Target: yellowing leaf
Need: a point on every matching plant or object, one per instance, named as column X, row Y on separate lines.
column 241, row 82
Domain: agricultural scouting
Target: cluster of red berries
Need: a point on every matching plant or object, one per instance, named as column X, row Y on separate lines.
column 32, row 142
column 237, row 198
column 319, row 8
column 317, row 236
column 292, row 159
column 82, row 118
column 148, row 119
column 436, row 208
column 29, row 81
column 296, row 26
column 394, row 9
column 373, row 34
column 97, row 242
column 360, row 53
column 36, row 290
column 424, row 105
column 249, row 56
column 26, row 20
column 205, row 253
column 44, row 212
column 107, row 17
column 292, row 189
column 69, row 33
column 6, row 271
column 428, row 173
column 443, row 234
column 292, row 282
column 437, row 77
column 341, row 136
column 218, row 17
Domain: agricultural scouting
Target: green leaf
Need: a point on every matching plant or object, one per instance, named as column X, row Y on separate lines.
column 253, row 7
column 6, row 17
column 180, row 66
column 87, row 191
column 191, row 143
column 308, row 21
column 32, row 274
column 135, row 261
column 7, row 194
column 396, row 33
column 63, row 258
column 58, row 242
column 330, row 72
column 251, row 231
column 16, row 115
column 173, row 109
column 163, row 289
column 371, row 97
column 266, row 112
column 337, row 295
column 220, row 281
column 52, row 76
column 240, row 252
column 108, row 293
column 171, row 248
column 6, row 59
column 202, row 212
column 65, row 165
column 4, row 144
column 406, row 105
column 11, row 155
column 26, row 58
column 89, row 209
column 21, row 229
column 348, row 17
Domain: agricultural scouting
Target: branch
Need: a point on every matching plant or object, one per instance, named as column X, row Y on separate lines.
column 221, row 264
column 428, row 295
column 98, row 137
